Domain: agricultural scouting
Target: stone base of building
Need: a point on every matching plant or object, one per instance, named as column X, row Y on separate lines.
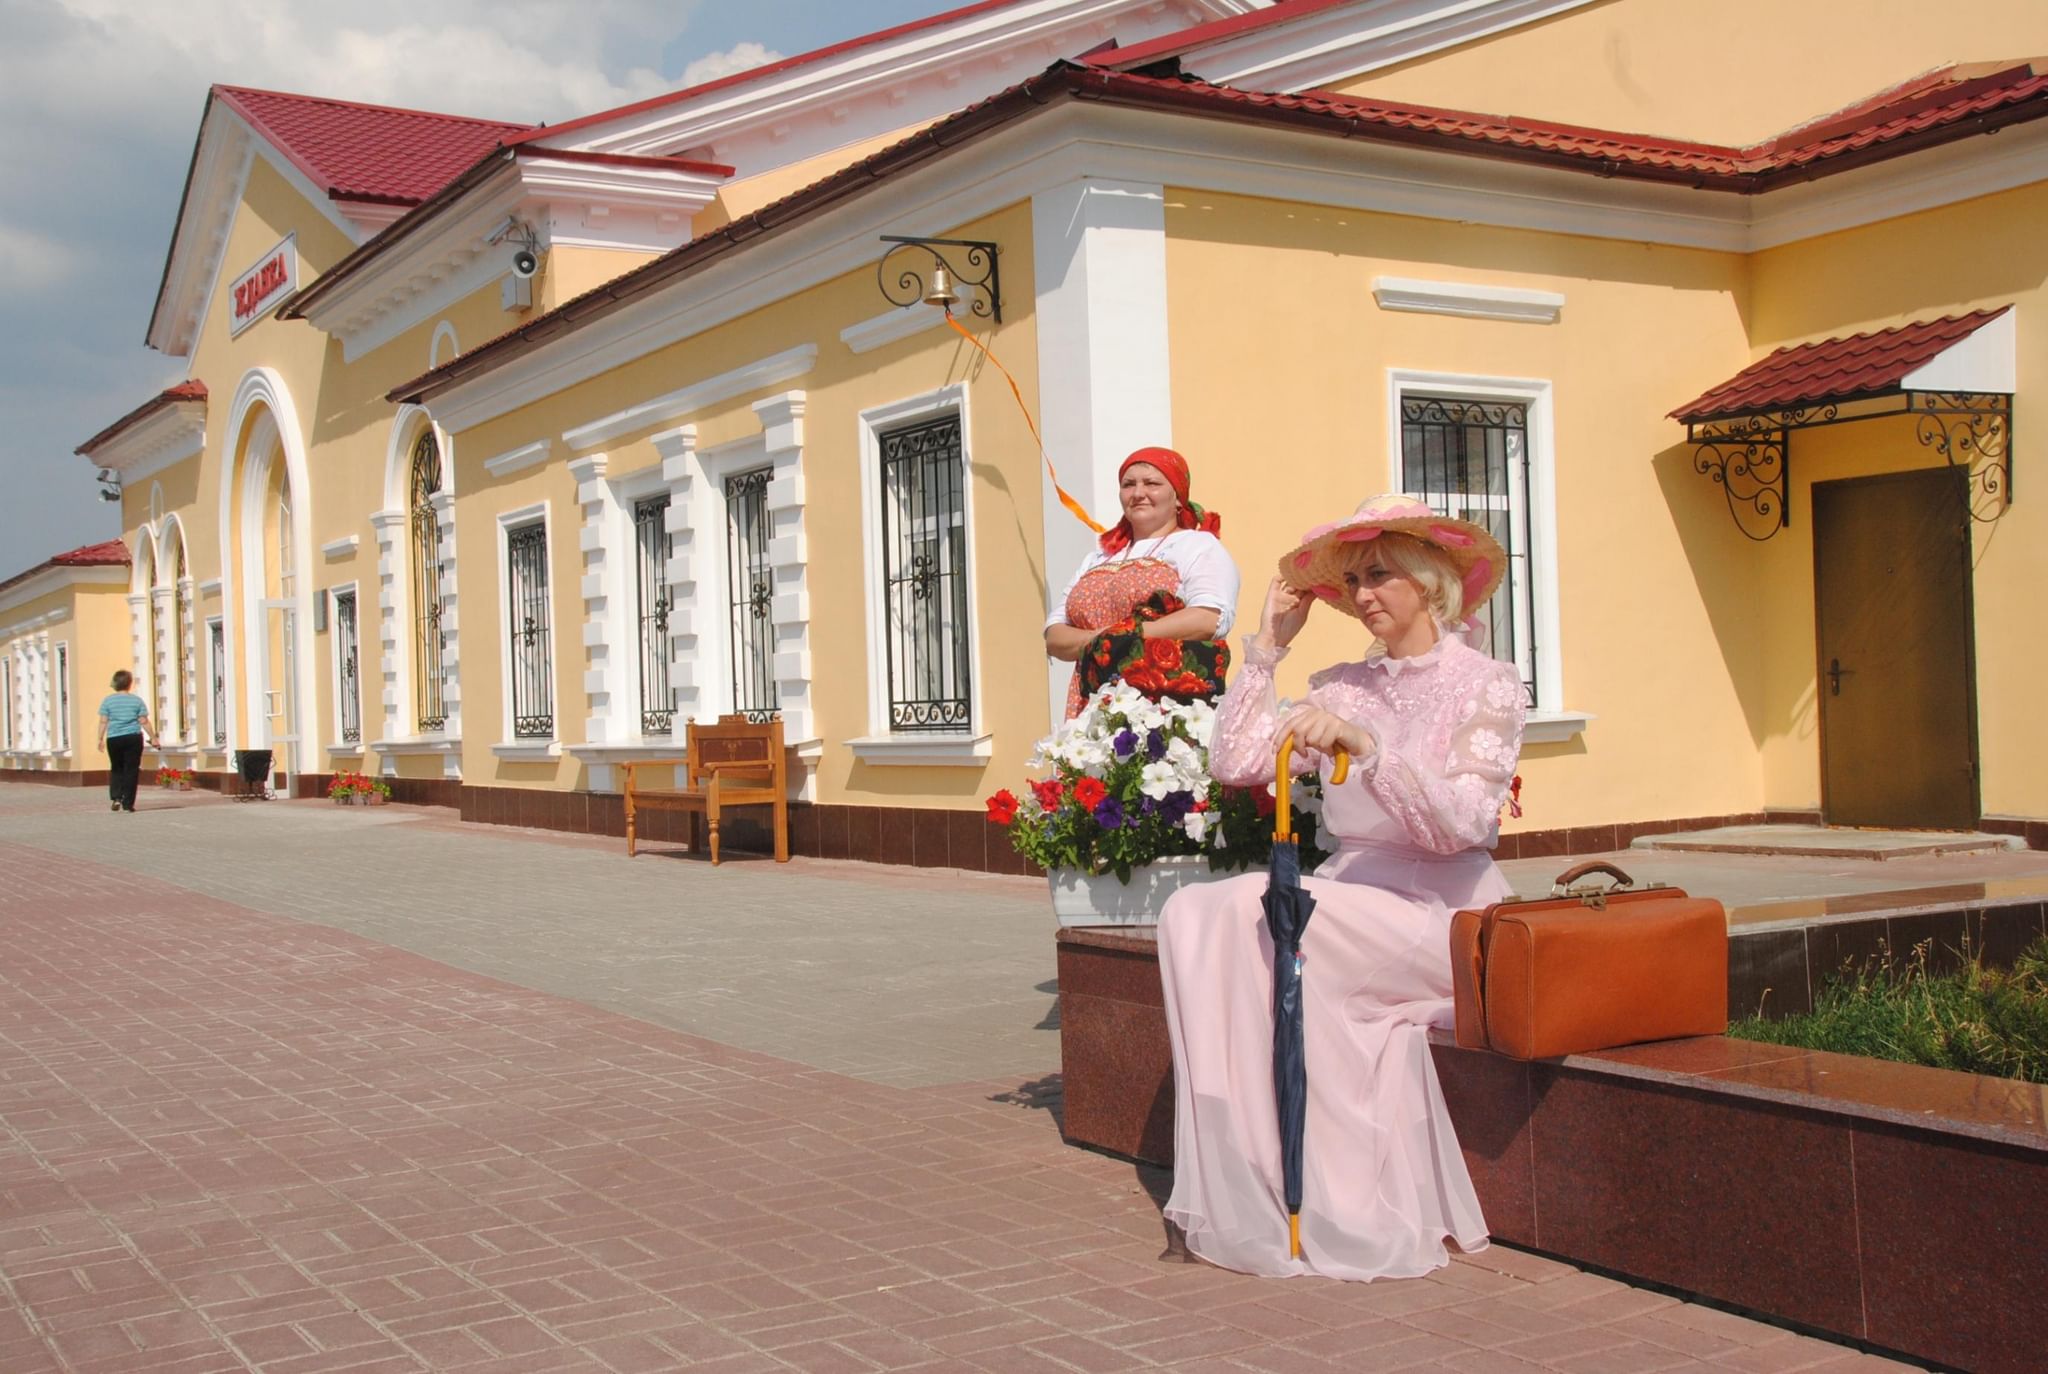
column 87, row 777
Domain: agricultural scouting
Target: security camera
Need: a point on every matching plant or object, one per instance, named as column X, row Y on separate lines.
column 524, row 264
column 110, row 493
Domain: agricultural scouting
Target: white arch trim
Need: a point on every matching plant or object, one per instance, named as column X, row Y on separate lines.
column 443, row 330
column 263, row 406
column 145, row 555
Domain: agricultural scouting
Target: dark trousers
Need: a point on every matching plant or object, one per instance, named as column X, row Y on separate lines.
column 124, row 757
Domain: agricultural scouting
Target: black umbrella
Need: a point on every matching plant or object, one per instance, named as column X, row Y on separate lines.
column 1288, row 907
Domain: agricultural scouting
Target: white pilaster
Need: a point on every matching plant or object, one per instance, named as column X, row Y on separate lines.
column 443, row 502
column 782, row 430
column 678, row 448
column 601, row 682
column 188, row 663
column 390, row 528
column 1099, row 260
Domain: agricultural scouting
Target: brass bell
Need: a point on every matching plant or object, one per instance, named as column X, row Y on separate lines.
column 941, row 292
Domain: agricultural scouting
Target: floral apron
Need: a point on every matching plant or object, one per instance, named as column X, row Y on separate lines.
column 1114, row 600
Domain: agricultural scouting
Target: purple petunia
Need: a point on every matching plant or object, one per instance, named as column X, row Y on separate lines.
column 1125, row 744
column 1109, row 813
column 1176, row 806
column 1155, row 744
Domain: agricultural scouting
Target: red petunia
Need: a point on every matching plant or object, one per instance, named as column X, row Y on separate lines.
column 1002, row 807
column 1049, row 793
column 1089, row 791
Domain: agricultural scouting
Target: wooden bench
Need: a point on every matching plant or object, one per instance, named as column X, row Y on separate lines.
column 736, row 762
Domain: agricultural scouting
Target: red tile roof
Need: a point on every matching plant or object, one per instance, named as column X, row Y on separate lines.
column 192, row 390
column 369, row 153
column 1835, row 369
column 112, row 553
column 1949, row 105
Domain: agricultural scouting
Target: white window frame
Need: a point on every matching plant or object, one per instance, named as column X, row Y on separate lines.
column 340, row 744
column 881, row 745
column 510, row 746
column 714, row 571
column 61, row 694
column 216, row 663
column 623, row 624
column 1549, row 720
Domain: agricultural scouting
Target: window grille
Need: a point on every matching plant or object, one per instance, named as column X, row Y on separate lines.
column 750, row 592
column 533, row 672
column 924, row 572
column 217, row 666
column 7, row 701
column 63, row 696
column 429, row 641
column 1469, row 458
column 652, row 545
column 347, row 668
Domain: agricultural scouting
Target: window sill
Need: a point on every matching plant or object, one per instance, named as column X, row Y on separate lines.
column 630, row 750
column 430, row 744
column 181, row 751
column 528, row 750
column 352, row 751
column 1555, row 727
column 923, row 751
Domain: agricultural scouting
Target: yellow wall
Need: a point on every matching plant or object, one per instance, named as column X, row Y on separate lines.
column 749, row 194
column 1982, row 253
column 92, row 623
column 1008, row 581
column 1292, row 378
column 1725, row 71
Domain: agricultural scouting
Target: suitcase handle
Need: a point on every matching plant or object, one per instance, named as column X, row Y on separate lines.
column 1562, row 886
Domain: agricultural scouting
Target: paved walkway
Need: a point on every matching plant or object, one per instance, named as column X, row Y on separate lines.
column 296, row 1088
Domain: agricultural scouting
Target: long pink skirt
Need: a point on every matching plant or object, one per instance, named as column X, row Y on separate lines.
column 1384, row 1185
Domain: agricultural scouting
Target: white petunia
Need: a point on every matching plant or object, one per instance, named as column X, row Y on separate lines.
column 1160, row 778
column 1196, row 823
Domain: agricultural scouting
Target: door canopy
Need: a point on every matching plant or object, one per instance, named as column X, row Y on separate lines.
column 1956, row 374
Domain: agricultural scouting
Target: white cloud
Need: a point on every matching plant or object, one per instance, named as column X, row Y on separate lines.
column 739, row 57
column 36, row 262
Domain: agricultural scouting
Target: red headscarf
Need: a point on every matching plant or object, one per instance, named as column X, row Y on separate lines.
column 1175, row 469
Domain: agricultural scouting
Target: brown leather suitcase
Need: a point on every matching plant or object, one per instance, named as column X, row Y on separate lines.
column 1589, row 968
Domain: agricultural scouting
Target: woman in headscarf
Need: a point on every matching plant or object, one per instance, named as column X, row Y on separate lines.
column 1151, row 603
column 1433, row 728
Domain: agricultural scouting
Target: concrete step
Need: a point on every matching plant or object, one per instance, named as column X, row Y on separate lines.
column 1829, row 842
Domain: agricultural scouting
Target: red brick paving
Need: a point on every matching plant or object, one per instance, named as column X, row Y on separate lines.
column 233, row 1141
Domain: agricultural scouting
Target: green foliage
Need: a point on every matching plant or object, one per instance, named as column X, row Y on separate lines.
column 1977, row 1020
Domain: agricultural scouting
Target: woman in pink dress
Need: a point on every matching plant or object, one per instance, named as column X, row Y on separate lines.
column 1152, row 602
column 1433, row 728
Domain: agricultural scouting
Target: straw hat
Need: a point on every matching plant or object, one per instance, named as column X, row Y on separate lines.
column 1317, row 565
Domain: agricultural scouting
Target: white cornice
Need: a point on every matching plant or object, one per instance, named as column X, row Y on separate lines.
column 171, row 434
column 782, row 367
column 887, row 328
column 1350, row 40
column 869, row 91
column 57, row 578
column 1079, row 140
column 335, row 550
column 1474, row 301
column 519, row 459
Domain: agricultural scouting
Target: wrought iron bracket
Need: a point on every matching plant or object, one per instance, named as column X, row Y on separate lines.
column 903, row 272
column 1749, row 458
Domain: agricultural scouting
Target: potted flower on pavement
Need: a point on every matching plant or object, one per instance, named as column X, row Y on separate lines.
column 174, row 779
column 1129, row 812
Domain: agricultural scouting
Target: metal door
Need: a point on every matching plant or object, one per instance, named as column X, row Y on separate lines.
column 1897, row 676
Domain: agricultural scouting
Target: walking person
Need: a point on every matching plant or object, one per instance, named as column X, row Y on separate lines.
column 124, row 730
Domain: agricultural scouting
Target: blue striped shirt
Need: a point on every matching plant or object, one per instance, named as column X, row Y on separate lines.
column 123, row 713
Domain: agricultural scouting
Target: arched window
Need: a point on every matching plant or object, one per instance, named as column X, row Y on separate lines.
column 428, row 641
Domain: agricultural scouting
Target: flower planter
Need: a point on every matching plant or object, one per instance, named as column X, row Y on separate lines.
column 345, row 799
column 1098, row 899
column 375, row 799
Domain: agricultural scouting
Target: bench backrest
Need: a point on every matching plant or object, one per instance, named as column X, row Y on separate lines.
column 737, row 744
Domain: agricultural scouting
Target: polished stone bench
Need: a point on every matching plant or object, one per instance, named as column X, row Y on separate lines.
column 1887, row 1203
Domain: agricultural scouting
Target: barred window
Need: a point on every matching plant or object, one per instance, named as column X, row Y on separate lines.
column 1468, row 458
column 7, row 703
column 533, row 658
column 217, row 670
column 348, row 687
column 652, row 546
column 63, row 696
column 429, row 642
column 181, row 650
column 924, row 577
column 750, row 584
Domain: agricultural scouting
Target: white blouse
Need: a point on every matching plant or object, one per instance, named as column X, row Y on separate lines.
column 1208, row 575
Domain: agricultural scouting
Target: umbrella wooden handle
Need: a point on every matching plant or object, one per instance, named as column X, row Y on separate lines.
column 1283, row 782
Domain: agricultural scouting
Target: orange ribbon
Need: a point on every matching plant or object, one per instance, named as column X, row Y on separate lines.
column 1079, row 511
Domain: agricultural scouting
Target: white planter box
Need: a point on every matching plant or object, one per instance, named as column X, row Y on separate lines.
column 1082, row 899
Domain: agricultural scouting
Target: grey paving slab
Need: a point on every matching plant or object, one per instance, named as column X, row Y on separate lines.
column 1827, row 841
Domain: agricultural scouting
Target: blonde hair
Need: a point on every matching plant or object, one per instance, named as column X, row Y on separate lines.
column 1422, row 562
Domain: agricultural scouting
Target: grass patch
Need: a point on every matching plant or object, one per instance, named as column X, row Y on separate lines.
column 1977, row 1020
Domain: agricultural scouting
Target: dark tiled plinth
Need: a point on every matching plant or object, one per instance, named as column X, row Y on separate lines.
column 1884, row 1202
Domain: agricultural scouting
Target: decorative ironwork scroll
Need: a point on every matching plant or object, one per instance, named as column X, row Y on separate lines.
column 924, row 571
column 750, row 585
column 1748, row 458
column 904, row 274
column 1974, row 433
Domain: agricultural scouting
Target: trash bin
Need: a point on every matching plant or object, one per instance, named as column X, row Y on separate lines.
column 254, row 767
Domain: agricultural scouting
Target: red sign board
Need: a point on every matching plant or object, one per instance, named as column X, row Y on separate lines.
column 275, row 276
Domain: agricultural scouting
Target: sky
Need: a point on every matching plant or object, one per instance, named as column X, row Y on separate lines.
column 102, row 99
